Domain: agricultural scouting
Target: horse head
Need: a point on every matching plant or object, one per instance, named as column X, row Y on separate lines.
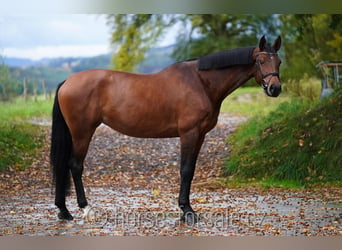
column 267, row 66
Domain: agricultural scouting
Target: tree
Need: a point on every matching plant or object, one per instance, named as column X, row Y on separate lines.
column 133, row 35
column 8, row 86
column 4, row 80
column 213, row 32
column 200, row 34
column 309, row 39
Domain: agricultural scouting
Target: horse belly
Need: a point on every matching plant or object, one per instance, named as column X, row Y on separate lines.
column 143, row 123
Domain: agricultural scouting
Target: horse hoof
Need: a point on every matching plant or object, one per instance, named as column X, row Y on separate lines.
column 65, row 216
column 190, row 218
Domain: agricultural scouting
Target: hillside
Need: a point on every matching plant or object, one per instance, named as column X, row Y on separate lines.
column 18, row 62
column 296, row 142
column 55, row 70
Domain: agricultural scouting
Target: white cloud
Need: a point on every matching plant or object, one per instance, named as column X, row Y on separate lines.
column 54, row 35
column 40, row 52
column 38, row 36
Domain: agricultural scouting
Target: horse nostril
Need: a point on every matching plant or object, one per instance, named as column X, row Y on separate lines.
column 274, row 90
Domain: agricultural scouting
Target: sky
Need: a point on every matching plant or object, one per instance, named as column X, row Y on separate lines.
column 46, row 36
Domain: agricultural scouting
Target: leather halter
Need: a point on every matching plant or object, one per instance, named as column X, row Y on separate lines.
column 263, row 76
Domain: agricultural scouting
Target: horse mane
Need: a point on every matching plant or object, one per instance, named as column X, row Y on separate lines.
column 226, row 58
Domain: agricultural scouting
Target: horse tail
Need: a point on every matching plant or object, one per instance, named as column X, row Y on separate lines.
column 61, row 149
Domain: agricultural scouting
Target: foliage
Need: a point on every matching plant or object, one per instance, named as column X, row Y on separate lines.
column 8, row 86
column 297, row 141
column 309, row 39
column 133, row 35
column 155, row 60
column 307, row 89
column 200, row 34
column 207, row 33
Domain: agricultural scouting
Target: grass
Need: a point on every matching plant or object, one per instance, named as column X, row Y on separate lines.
column 20, row 110
column 297, row 143
column 269, row 183
column 251, row 101
column 20, row 140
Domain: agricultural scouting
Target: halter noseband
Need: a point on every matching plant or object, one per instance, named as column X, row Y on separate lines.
column 263, row 76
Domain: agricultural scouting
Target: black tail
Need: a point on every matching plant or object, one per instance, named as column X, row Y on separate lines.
column 61, row 150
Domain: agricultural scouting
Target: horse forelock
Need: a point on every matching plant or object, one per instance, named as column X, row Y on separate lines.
column 226, row 58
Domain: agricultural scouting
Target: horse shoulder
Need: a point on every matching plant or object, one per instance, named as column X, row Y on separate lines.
column 195, row 106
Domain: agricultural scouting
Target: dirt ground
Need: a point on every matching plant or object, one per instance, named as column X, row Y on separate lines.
column 132, row 187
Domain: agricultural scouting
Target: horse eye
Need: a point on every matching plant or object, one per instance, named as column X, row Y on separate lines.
column 262, row 61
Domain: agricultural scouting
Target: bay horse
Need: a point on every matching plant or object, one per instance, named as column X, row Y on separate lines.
column 182, row 100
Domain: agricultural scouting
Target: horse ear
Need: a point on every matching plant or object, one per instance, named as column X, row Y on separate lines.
column 262, row 43
column 277, row 44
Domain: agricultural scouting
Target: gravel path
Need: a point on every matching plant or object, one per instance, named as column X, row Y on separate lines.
column 132, row 185
column 151, row 163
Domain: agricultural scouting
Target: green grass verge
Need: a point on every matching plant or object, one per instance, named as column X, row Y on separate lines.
column 251, row 101
column 20, row 140
column 297, row 143
column 237, row 182
column 20, row 110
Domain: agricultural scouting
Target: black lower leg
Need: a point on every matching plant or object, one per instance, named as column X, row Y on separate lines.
column 190, row 147
column 76, row 170
column 187, row 173
column 189, row 214
column 64, row 214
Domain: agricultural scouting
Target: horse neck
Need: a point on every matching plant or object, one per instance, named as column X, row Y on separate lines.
column 220, row 83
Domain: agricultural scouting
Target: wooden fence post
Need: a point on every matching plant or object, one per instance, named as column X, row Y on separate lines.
column 35, row 91
column 44, row 89
column 25, row 89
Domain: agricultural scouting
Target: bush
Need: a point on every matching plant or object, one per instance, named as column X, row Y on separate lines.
column 307, row 89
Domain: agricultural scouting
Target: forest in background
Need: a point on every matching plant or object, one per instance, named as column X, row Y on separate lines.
column 307, row 38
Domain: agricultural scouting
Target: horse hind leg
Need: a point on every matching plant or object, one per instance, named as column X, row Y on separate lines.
column 76, row 170
column 80, row 148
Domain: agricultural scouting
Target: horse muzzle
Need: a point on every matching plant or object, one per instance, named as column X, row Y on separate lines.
column 271, row 84
column 273, row 89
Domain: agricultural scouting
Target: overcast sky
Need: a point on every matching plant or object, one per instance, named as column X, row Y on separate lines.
column 41, row 36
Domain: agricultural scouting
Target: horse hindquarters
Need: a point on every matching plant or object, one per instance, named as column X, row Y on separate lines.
column 72, row 135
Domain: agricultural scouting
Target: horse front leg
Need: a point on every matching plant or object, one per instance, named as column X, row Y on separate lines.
column 191, row 143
